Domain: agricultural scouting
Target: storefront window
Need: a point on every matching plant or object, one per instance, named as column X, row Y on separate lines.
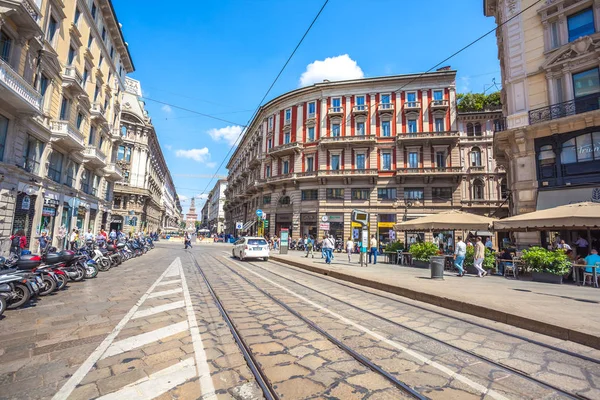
column 444, row 240
column 586, row 82
column 582, row 148
column 385, row 228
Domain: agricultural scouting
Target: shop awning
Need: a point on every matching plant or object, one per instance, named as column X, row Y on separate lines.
column 447, row 221
column 585, row 215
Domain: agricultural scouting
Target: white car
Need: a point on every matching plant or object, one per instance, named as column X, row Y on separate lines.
column 251, row 247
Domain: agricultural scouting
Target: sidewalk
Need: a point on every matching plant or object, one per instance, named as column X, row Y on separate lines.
column 565, row 311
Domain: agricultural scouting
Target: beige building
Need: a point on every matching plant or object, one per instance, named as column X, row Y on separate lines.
column 550, row 57
column 62, row 72
column 215, row 214
column 392, row 146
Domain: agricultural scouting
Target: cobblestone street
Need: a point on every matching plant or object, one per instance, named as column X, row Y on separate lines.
column 152, row 329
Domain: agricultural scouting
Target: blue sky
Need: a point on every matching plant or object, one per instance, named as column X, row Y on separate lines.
column 219, row 58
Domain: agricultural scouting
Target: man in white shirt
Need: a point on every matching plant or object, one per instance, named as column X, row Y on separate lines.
column 582, row 246
column 328, row 246
column 88, row 235
column 459, row 256
column 373, row 250
column 350, row 248
column 564, row 246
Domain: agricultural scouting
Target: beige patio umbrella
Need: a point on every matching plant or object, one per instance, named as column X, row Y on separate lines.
column 447, row 221
column 584, row 215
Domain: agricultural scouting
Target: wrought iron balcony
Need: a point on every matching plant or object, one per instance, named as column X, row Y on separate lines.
column 333, row 141
column 565, row 109
column 18, row 92
column 67, row 134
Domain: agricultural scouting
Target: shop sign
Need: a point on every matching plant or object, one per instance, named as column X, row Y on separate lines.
column 386, row 224
column 51, row 202
column 324, row 226
column 26, row 203
column 284, row 217
column 336, row 218
column 308, row 218
column 116, row 219
column 48, row 211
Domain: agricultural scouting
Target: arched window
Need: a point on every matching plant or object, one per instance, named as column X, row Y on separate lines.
column 477, row 129
column 475, row 157
column 284, row 201
column 124, row 131
column 477, row 189
column 470, row 129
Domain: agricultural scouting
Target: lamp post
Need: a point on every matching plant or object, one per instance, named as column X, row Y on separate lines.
column 407, row 204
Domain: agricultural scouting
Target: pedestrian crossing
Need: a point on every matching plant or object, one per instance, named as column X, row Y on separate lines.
column 168, row 294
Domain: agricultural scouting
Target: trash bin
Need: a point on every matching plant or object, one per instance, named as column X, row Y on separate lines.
column 437, row 267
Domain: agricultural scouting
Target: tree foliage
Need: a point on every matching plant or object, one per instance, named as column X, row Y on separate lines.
column 466, row 102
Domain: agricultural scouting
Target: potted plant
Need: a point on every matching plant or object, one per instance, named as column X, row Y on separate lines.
column 395, row 246
column 545, row 265
column 422, row 253
column 489, row 261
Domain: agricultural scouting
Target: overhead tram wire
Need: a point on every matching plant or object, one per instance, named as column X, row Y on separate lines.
column 193, row 111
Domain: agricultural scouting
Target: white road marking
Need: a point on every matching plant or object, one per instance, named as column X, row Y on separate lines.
column 207, row 388
column 156, row 384
column 83, row 370
column 143, row 339
column 425, row 360
column 169, row 282
column 158, row 309
column 174, row 270
column 165, row 293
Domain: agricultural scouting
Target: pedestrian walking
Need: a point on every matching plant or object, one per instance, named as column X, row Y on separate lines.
column 459, row 256
column 582, row 247
column 88, row 235
column 349, row 248
column 328, row 246
column 479, row 257
column 187, row 241
column 73, row 239
column 44, row 240
column 310, row 244
column 18, row 242
column 373, row 250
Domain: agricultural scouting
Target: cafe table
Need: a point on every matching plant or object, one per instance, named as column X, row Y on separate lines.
column 391, row 256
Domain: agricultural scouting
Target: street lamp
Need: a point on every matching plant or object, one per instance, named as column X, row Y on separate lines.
column 407, row 204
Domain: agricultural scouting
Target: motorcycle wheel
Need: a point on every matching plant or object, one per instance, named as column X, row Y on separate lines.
column 80, row 274
column 22, row 296
column 62, row 281
column 103, row 265
column 144, row 250
column 2, row 305
column 90, row 271
column 49, row 285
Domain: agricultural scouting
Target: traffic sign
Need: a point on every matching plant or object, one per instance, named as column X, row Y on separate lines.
column 266, row 223
column 259, row 213
column 239, row 225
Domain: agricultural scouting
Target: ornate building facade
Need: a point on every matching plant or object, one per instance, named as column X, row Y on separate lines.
column 62, row 75
column 215, row 213
column 191, row 217
column 312, row 155
column 145, row 198
column 550, row 60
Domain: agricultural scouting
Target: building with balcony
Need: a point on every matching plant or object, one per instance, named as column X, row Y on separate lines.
column 215, row 212
column 314, row 154
column 62, row 72
column 549, row 56
column 140, row 202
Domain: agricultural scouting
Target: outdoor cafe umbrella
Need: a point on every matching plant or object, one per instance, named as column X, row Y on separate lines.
column 584, row 215
column 447, row 221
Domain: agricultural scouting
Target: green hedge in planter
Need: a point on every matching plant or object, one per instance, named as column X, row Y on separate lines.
column 489, row 260
column 538, row 259
column 395, row 246
column 423, row 251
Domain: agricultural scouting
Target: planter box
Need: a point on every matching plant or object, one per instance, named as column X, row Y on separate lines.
column 421, row 264
column 546, row 277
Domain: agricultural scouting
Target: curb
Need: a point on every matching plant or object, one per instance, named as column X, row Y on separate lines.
column 529, row 324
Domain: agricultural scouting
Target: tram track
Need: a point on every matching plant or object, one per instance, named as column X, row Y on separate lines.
column 429, row 337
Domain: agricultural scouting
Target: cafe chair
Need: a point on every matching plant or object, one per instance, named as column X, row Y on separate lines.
column 593, row 279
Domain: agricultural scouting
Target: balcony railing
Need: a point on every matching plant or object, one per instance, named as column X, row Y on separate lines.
column 345, row 172
column 385, row 107
column 428, row 135
column 430, row 170
column 565, row 109
column 336, row 111
column 347, row 139
column 311, row 115
column 94, row 153
column 439, row 103
column 66, row 132
column 359, row 109
column 19, row 87
column 285, row 148
column 412, row 105
column 73, row 79
column 114, row 170
column 477, row 138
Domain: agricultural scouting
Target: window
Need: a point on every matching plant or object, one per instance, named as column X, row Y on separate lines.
column 310, row 195
column 440, row 159
column 90, row 40
column 109, row 191
column 385, row 102
column 96, row 92
column 413, row 159
column 5, row 46
column 288, row 116
column 79, row 120
column 112, row 54
column 65, row 109
column 360, row 129
column 94, row 9
column 44, row 81
column 411, row 97
column 581, row 24
column 386, row 161
column 385, row 129
column 92, row 136
column 386, row 194
column 475, row 157
column 125, row 176
column 438, row 95
column 124, row 131
column 554, row 35
column 286, row 138
column 360, row 103
column 101, row 142
column 55, row 166
column 72, row 169
column 267, row 199
column 412, row 126
column 268, row 171
column 336, row 104
column 85, row 180
column 124, row 153
column 310, row 164
column 503, row 189
column 360, row 161
column 335, row 130
column 86, row 75
column 335, row 162
column 335, row 194
column 3, row 134
column 312, row 107
column 439, row 124
column 361, row 194
column 117, row 202
column 586, row 82
column 413, row 194
column 286, row 167
column 477, row 189
column 71, row 55
column 100, row 60
column 77, row 15
column 270, row 123
column 103, row 33
column 441, row 193
column 32, row 155
column 269, row 143
column 311, row 134
column 582, row 148
column 52, row 28
column 106, row 104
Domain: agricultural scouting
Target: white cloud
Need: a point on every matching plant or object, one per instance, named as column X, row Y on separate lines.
column 183, row 198
column 230, row 134
column 167, row 109
column 202, row 196
column 200, row 155
column 332, row 68
column 168, row 147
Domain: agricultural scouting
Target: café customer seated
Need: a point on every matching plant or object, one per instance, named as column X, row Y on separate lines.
column 591, row 261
